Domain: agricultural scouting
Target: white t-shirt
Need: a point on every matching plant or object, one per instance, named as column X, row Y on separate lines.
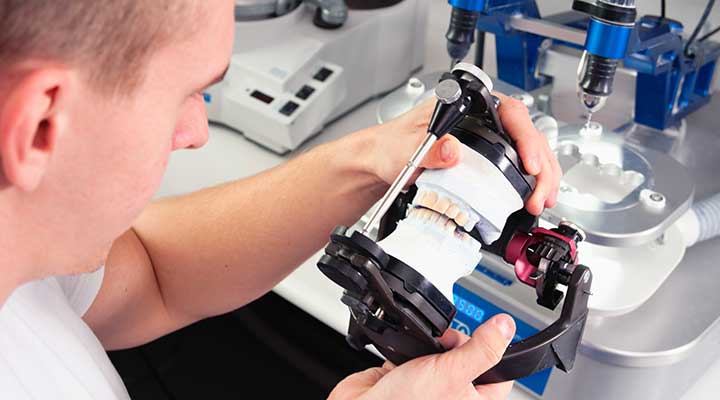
column 46, row 349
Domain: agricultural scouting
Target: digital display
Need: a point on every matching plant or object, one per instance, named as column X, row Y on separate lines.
column 262, row 96
column 468, row 308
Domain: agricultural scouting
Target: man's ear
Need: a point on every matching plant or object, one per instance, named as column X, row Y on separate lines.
column 31, row 120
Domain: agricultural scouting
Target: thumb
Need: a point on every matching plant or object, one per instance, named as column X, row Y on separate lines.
column 445, row 153
column 481, row 352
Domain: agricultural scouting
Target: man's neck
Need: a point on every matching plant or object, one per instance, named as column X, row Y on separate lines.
column 19, row 249
column 15, row 265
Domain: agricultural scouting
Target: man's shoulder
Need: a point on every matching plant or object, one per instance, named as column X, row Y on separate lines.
column 48, row 351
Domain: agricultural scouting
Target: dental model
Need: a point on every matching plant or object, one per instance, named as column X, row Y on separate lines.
column 434, row 237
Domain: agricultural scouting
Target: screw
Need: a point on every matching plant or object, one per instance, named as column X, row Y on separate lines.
column 657, row 197
column 660, row 240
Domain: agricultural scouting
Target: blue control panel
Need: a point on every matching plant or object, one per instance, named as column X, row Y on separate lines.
column 473, row 310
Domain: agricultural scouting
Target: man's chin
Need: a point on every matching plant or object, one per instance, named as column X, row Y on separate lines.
column 94, row 263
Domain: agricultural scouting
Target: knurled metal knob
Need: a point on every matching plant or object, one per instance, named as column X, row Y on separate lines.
column 448, row 91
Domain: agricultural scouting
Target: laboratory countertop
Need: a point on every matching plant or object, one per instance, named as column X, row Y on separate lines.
column 229, row 156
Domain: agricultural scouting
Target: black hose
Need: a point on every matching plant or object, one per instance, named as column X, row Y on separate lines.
column 663, row 6
column 699, row 26
column 709, row 34
column 480, row 49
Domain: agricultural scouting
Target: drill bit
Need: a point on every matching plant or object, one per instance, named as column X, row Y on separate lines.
column 589, row 119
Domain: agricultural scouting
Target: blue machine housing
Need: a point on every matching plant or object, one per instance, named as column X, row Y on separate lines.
column 517, row 52
column 469, row 5
column 607, row 40
column 670, row 85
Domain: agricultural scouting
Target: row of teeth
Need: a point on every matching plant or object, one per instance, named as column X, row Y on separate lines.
column 442, row 222
column 447, row 207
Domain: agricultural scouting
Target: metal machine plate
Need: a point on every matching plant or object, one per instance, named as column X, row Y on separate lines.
column 619, row 194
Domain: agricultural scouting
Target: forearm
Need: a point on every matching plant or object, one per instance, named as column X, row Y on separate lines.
column 216, row 250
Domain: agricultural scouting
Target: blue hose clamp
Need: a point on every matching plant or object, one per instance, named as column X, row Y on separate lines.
column 469, row 5
column 607, row 40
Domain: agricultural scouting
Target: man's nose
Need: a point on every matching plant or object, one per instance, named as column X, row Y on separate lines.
column 191, row 131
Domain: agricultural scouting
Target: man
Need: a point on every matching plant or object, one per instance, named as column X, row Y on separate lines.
column 95, row 95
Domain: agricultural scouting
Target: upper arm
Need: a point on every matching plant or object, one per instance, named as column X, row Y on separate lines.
column 129, row 309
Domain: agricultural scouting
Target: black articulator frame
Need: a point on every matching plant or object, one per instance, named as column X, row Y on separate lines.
column 402, row 314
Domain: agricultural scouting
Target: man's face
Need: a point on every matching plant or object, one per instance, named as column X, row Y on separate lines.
column 112, row 159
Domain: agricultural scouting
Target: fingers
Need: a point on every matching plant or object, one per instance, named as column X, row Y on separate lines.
column 419, row 117
column 547, row 185
column 356, row 384
column 557, row 174
column 453, row 338
column 495, row 391
column 388, row 366
column 445, row 153
column 481, row 352
column 538, row 159
column 515, row 118
column 544, row 186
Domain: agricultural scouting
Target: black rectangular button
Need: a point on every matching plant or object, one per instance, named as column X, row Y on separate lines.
column 289, row 108
column 262, row 96
column 304, row 92
column 323, row 74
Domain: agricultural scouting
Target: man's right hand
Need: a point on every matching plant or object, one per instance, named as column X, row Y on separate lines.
column 441, row 376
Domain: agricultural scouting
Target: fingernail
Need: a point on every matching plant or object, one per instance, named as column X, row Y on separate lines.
column 506, row 326
column 447, row 152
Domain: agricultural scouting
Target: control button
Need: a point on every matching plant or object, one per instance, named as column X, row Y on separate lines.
column 262, row 96
column 289, row 108
column 323, row 74
column 304, row 92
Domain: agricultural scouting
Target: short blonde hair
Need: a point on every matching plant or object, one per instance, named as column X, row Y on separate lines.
column 111, row 40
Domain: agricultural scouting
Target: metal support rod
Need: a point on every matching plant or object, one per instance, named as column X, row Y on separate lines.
column 400, row 182
column 549, row 29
